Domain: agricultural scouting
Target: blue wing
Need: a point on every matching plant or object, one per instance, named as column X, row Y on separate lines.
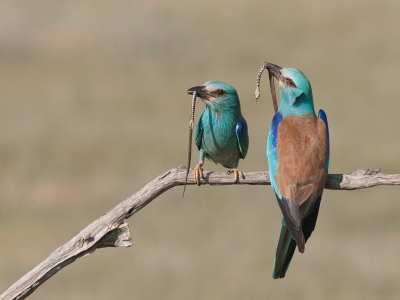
column 272, row 155
column 322, row 116
column 198, row 135
column 242, row 136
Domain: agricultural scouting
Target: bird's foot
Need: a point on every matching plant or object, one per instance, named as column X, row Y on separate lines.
column 198, row 173
column 237, row 173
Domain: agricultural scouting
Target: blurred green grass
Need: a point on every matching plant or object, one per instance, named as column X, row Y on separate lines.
column 93, row 106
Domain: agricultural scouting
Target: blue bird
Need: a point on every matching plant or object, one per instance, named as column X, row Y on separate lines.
column 221, row 133
column 298, row 159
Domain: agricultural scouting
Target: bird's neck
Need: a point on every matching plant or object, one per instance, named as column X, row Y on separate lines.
column 298, row 107
column 226, row 109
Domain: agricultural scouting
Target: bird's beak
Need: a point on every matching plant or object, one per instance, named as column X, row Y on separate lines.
column 200, row 90
column 275, row 71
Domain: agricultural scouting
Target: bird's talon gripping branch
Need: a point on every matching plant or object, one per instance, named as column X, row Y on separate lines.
column 236, row 172
column 198, row 173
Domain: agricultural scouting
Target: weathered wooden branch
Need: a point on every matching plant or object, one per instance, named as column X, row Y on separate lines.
column 110, row 230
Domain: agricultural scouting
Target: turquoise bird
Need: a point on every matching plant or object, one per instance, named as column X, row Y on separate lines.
column 298, row 159
column 221, row 133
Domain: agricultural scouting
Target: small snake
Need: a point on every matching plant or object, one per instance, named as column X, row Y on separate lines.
column 271, row 85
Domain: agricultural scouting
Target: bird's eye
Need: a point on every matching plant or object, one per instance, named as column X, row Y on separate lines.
column 220, row 92
column 290, row 82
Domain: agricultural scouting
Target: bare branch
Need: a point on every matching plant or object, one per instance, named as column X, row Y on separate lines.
column 110, row 231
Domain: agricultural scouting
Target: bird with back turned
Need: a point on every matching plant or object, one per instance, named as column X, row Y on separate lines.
column 298, row 159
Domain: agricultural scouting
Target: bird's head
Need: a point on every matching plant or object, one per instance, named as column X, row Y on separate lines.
column 295, row 89
column 216, row 95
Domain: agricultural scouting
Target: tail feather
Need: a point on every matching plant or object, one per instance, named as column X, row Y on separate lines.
column 287, row 246
column 291, row 224
column 284, row 253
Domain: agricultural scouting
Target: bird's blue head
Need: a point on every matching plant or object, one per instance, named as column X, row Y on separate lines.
column 218, row 96
column 295, row 91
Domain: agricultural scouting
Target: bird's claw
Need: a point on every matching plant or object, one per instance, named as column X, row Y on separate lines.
column 236, row 172
column 198, row 173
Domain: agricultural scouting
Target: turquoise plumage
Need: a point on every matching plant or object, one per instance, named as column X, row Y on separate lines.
column 298, row 159
column 221, row 133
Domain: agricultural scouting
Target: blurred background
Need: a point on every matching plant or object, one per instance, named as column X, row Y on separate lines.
column 93, row 106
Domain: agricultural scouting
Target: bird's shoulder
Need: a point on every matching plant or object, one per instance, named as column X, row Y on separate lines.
column 242, row 136
column 198, row 135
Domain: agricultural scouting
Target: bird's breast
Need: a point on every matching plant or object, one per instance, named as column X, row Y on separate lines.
column 219, row 139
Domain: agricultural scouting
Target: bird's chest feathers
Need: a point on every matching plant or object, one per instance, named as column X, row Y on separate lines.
column 219, row 132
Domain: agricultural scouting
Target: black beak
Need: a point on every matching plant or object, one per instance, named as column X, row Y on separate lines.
column 200, row 90
column 275, row 70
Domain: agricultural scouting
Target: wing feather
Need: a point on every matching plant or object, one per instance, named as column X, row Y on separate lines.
column 198, row 135
column 242, row 136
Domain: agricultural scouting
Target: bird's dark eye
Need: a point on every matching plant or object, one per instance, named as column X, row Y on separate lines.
column 220, row 92
column 290, row 82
